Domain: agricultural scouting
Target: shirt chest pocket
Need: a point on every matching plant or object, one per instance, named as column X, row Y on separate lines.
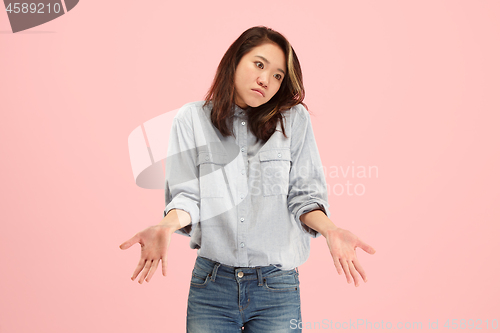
column 275, row 171
column 211, row 173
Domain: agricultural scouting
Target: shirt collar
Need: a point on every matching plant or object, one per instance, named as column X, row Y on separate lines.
column 239, row 112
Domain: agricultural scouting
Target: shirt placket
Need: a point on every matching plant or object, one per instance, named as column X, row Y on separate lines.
column 241, row 127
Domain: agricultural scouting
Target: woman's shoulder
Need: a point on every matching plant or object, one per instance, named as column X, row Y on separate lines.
column 297, row 113
column 188, row 110
column 191, row 107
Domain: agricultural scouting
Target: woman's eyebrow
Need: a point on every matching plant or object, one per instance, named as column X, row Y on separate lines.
column 267, row 62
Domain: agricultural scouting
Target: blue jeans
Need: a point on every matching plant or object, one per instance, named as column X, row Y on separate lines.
column 225, row 299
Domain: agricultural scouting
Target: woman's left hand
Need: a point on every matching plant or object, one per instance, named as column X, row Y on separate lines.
column 342, row 244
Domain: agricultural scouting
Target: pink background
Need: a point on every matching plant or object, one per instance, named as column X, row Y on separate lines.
column 409, row 87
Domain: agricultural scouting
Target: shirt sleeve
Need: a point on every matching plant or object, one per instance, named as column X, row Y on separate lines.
column 307, row 186
column 182, row 189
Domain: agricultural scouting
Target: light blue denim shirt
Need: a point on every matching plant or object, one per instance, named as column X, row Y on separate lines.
column 245, row 198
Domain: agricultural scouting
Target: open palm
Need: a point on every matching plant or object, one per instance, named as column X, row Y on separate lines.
column 342, row 244
column 154, row 246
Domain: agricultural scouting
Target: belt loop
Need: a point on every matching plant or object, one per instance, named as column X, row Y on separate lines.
column 214, row 272
column 259, row 276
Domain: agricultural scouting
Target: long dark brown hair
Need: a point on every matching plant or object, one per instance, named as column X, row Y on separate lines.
column 262, row 119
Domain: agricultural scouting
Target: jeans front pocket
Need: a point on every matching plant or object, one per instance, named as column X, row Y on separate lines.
column 288, row 281
column 275, row 171
column 200, row 278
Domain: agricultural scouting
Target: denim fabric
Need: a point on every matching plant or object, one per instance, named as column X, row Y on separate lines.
column 223, row 299
column 245, row 198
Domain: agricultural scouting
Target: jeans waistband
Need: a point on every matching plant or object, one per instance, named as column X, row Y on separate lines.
column 239, row 273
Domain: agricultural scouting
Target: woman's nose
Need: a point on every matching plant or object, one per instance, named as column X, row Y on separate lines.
column 263, row 80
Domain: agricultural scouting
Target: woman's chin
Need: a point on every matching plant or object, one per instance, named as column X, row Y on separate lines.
column 254, row 104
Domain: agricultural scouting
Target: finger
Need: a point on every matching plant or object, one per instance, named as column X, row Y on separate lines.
column 345, row 266
column 164, row 265
column 152, row 270
column 139, row 268
column 130, row 242
column 367, row 248
column 145, row 271
column 353, row 272
column 164, row 259
column 337, row 264
column 360, row 269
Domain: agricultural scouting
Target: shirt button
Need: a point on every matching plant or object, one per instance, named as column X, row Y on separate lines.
column 240, row 274
column 206, row 158
column 242, row 149
column 241, row 196
column 279, row 154
column 242, row 244
column 243, row 123
column 242, row 171
column 242, row 219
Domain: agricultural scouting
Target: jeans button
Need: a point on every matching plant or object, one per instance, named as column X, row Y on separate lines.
column 240, row 274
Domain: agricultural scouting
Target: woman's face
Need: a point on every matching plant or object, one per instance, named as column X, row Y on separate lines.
column 259, row 75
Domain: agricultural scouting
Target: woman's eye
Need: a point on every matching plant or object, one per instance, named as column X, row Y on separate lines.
column 277, row 76
column 259, row 64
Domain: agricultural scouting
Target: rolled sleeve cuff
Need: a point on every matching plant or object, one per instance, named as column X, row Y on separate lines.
column 309, row 207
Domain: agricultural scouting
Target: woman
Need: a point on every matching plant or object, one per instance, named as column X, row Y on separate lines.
column 245, row 182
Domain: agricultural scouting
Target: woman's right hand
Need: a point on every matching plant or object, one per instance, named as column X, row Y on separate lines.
column 154, row 243
column 154, row 246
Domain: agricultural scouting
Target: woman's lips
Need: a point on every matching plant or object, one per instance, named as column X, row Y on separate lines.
column 258, row 92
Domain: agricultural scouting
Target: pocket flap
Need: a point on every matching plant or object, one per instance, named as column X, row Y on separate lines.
column 208, row 157
column 275, row 155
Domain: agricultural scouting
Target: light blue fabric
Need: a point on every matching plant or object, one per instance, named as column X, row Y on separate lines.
column 245, row 198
